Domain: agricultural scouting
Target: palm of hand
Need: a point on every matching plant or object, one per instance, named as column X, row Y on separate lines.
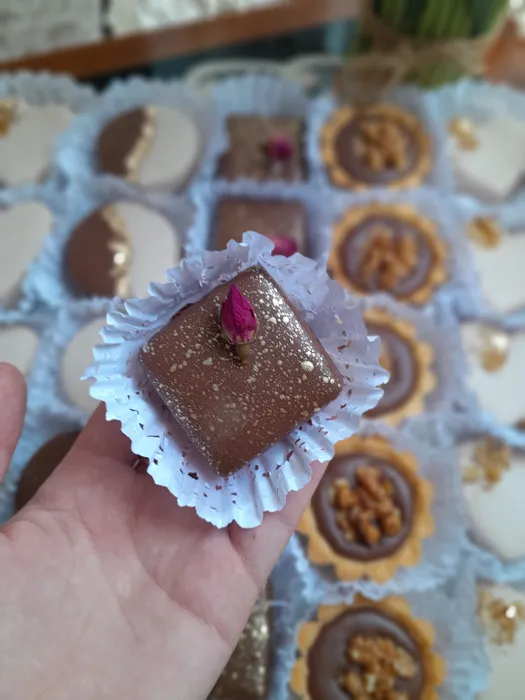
column 115, row 589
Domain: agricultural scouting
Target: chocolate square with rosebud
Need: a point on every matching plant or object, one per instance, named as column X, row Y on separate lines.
column 264, row 148
column 235, row 403
column 283, row 222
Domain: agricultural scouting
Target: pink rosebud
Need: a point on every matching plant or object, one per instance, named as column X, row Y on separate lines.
column 238, row 320
column 284, row 245
column 279, row 148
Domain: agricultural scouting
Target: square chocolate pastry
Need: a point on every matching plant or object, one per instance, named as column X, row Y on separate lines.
column 284, row 222
column 264, row 148
column 246, row 674
column 234, row 410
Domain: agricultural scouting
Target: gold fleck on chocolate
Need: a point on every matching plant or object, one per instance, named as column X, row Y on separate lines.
column 485, row 231
column 491, row 459
column 463, row 130
column 500, row 620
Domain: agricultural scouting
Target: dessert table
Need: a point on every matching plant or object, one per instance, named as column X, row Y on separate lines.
column 400, row 221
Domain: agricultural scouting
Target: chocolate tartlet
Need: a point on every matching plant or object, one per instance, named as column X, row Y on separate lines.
column 234, row 406
column 378, row 145
column 370, row 512
column 264, row 148
column 409, row 361
column 42, row 465
column 373, row 650
column 282, row 221
column 246, row 674
column 388, row 248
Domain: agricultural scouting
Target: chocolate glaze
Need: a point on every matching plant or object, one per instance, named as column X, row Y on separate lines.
column 328, row 660
column 118, row 139
column 357, row 238
column 233, row 412
column 245, row 676
column 357, row 168
column 42, row 465
column 246, row 157
column 88, row 260
column 273, row 217
column 404, row 371
column 345, row 466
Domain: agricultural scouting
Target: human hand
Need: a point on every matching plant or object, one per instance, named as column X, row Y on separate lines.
column 109, row 589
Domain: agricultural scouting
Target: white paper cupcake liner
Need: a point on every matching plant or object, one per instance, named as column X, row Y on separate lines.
column 47, row 282
column 316, row 203
column 486, row 564
column 406, row 97
column 442, row 209
column 448, row 366
column 49, row 392
column 263, row 95
column 440, row 553
column 481, row 101
column 75, row 155
column 451, row 609
column 47, row 88
column 121, row 382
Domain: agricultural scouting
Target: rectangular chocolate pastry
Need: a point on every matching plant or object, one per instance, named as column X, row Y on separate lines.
column 232, row 412
column 246, row 674
column 248, row 153
column 271, row 217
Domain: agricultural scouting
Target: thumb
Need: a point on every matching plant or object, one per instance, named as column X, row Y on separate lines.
column 12, row 411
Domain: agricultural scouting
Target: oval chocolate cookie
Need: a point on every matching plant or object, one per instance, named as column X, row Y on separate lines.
column 119, row 250
column 155, row 146
column 42, row 465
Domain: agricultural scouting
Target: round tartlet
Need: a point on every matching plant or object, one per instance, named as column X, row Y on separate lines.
column 388, row 248
column 370, row 512
column 377, row 145
column 409, row 361
column 395, row 652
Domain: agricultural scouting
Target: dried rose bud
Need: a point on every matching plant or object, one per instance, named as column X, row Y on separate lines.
column 238, row 321
column 279, row 148
column 283, row 246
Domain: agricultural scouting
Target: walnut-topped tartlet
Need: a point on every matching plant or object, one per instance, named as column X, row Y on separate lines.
column 370, row 512
column 388, row 248
column 377, row 145
column 369, row 650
